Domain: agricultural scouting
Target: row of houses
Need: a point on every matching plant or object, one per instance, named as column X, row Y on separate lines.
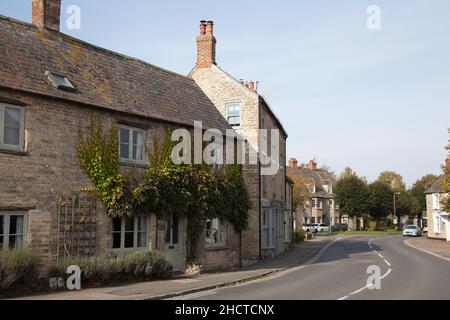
column 52, row 86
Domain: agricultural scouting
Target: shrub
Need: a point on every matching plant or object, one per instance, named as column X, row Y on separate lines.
column 142, row 265
column 18, row 268
column 300, row 236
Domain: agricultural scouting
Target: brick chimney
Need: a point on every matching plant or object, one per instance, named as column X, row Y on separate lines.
column 206, row 45
column 293, row 163
column 46, row 14
column 251, row 85
column 312, row 164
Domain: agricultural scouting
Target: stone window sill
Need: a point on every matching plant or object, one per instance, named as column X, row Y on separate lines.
column 14, row 152
column 216, row 248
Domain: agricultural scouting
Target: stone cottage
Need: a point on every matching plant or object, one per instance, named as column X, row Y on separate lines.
column 249, row 113
column 51, row 87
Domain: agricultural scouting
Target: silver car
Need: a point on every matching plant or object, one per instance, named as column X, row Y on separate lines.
column 412, row 231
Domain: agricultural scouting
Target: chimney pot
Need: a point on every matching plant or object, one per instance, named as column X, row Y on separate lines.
column 46, row 14
column 210, row 27
column 206, row 45
column 202, row 27
column 293, row 163
column 312, row 164
column 251, row 85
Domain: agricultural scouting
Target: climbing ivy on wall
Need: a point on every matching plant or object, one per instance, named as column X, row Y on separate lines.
column 99, row 159
column 195, row 191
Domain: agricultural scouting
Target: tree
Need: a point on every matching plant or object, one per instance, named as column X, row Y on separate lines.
column 408, row 205
column 418, row 190
column 381, row 200
column 393, row 180
column 300, row 192
column 351, row 194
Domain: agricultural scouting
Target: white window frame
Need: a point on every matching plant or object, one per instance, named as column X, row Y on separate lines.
column 222, row 227
column 436, row 201
column 6, row 232
column 135, row 234
column 130, row 145
column 437, row 222
column 234, row 104
column 313, row 203
column 20, row 146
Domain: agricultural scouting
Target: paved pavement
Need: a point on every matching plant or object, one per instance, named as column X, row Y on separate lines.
column 184, row 284
column 341, row 273
column 438, row 248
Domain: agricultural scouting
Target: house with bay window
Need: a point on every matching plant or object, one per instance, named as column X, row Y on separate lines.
column 52, row 86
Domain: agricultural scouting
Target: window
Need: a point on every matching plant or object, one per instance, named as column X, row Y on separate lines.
column 319, row 204
column 215, row 232
column 12, row 230
column 60, row 82
column 313, row 203
column 11, row 127
column 130, row 232
column 330, row 202
column 436, row 201
column 268, row 229
column 131, row 144
column 437, row 222
column 313, row 219
column 234, row 114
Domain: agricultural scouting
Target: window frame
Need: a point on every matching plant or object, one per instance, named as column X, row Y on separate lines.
column 6, row 226
column 131, row 131
column 222, row 227
column 239, row 116
column 21, row 146
column 136, row 233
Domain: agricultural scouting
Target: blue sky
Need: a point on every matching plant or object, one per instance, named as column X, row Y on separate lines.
column 372, row 100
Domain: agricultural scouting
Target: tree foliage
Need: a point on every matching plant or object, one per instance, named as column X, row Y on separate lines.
column 393, row 180
column 381, row 200
column 418, row 190
column 300, row 192
column 351, row 193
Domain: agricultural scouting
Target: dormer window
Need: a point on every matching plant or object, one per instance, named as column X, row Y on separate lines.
column 60, row 81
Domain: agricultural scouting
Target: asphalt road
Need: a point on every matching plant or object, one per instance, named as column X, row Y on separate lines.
column 341, row 273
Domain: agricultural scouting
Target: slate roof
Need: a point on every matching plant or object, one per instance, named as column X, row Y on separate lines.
column 320, row 177
column 103, row 78
column 436, row 187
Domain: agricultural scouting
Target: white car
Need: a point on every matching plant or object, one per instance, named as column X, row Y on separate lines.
column 322, row 227
column 310, row 227
column 412, row 231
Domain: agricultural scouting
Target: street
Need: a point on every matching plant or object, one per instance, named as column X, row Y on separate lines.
column 341, row 273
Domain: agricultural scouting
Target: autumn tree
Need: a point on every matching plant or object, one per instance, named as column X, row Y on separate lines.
column 300, row 192
column 393, row 180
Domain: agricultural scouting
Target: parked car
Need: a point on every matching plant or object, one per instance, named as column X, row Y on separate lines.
column 340, row 227
column 323, row 227
column 412, row 230
column 310, row 227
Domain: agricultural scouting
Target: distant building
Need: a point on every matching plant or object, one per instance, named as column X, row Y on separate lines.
column 321, row 206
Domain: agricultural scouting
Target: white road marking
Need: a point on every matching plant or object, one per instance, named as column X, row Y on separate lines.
column 266, row 278
column 381, row 278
